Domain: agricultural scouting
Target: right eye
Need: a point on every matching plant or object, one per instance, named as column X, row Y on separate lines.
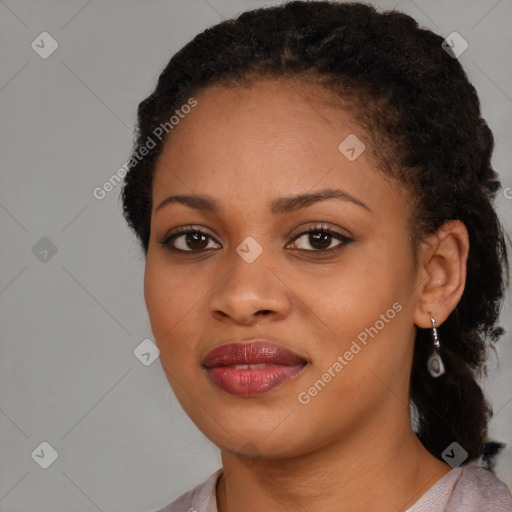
column 187, row 240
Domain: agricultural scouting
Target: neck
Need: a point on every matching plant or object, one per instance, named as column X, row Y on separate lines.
column 386, row 465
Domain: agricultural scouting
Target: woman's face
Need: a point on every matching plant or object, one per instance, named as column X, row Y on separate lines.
column 342, row 302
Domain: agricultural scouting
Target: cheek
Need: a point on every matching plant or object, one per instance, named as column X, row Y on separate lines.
column 171, row 296
column 366, row 302
column 354, row 295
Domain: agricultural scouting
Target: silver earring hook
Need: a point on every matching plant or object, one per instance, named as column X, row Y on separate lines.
column 434, row 330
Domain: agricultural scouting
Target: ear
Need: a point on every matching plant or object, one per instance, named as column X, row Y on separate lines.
column 441, row 273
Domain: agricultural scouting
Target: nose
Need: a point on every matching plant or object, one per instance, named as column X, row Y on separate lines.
column 249, row 292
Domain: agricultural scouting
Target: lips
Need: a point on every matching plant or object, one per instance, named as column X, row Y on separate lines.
column 250, row 369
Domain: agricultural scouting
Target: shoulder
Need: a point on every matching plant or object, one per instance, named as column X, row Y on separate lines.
column 478, row 489
column 466, row 489
column 201, row 498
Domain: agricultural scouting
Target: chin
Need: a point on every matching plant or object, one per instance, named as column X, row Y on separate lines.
column 270, row 436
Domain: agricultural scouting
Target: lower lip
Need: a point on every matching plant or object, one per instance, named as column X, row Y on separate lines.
column 252, row 382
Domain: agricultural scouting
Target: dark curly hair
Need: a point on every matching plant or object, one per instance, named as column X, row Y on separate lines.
column 422, row 118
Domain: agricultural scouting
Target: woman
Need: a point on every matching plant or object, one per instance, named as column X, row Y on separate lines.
column 311, row 186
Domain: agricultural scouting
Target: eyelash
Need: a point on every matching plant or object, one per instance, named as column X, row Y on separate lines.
column 167, row 240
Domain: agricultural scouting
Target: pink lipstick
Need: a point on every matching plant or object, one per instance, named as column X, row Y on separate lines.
column 250, row 369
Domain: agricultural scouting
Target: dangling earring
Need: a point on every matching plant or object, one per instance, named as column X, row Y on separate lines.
column 435, row 363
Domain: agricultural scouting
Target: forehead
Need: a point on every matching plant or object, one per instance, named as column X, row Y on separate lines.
column 274, row 138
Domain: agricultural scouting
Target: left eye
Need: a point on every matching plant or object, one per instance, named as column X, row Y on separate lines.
column 321, row 240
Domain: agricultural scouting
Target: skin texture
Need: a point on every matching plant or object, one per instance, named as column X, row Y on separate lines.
column 352, row 445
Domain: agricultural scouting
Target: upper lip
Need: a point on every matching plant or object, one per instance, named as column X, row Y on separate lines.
column 254, row 352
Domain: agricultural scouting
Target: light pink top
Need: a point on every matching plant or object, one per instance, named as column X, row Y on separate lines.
column 463, row 489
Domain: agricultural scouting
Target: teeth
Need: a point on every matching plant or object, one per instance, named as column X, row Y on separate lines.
column 249, row 366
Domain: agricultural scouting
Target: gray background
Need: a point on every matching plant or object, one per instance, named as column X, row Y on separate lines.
column 71, row 320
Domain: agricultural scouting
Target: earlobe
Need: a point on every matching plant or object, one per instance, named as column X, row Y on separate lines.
column 442, row 273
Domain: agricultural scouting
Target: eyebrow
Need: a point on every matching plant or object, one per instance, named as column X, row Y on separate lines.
column 279, row 206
